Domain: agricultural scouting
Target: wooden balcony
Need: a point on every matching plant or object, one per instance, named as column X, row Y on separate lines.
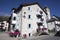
column 39, row 16
column 39, row 24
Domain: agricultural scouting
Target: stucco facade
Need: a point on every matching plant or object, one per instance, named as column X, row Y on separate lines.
column 29, row 19
column 4, row 25
column 54, row 23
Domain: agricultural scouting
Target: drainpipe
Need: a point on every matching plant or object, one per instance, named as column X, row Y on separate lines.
column 21, row 26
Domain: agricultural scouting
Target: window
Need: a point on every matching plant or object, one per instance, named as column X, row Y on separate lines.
column 41, row 12
column 29, row 25
column 29, row 16
column 24, row 12
column 28, row 8
column 14, row 18
column 13, row 26
column 29, row 34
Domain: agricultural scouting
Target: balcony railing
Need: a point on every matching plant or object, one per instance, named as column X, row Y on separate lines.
column 39, row 24
column 39, row 16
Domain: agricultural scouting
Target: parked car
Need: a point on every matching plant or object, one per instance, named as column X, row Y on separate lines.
column 14, row 33
column 17, row 33
column 11, row 33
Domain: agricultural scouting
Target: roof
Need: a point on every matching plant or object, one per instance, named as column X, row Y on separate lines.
column 56, row 18
column 22, row 5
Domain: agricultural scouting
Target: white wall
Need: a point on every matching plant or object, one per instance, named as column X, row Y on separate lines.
column 18, row 21
column 57, row 28
column 33, row 20
column 14, row 21
column 22, row 23
column 14, row 15
column 47, row 10
column 5, row 25
column 57, row 22
column 51, row 25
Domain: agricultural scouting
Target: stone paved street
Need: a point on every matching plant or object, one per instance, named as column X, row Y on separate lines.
column 44, row 38
column 4, row 36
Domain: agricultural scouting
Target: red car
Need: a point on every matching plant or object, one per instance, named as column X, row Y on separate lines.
column 11, row 33
column 14, row 34
column 17, row 33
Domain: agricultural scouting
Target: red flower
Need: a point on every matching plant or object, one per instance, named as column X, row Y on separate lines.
column 25, row 35
column 44, row 28
column 38, row 29
column 10, row 33
column 16, row 33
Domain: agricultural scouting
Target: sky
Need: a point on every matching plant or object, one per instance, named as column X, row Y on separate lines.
column 7, row 5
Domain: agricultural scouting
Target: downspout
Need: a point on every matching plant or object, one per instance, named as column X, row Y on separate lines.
column 21, row 26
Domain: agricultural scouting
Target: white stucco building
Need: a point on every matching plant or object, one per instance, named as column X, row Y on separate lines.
column 28, row 18
column 4, row 23
column 54, row 23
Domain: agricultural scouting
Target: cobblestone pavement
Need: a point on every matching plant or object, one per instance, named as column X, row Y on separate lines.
column 4, row 36
column 44, row 37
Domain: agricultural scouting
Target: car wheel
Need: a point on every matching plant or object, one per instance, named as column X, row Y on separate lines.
column 11, row 35
column 15, row 35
